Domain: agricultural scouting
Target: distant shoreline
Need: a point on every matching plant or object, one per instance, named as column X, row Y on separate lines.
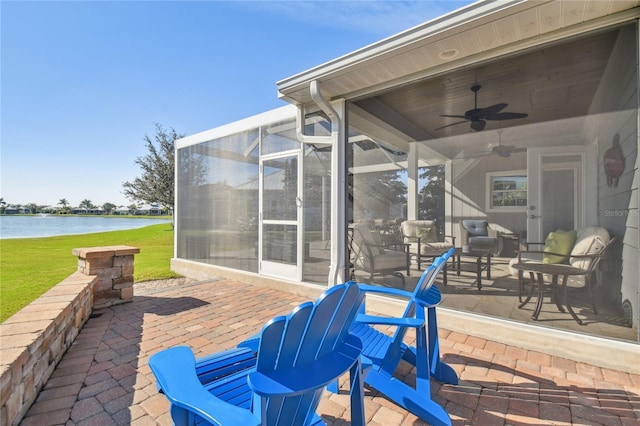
column 51, row 225
column 114, row 216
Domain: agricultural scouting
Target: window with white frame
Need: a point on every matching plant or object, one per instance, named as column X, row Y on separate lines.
column 507, row 191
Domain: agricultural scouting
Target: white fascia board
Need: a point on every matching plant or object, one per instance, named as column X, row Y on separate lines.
column 255, row 121
column 458, row 19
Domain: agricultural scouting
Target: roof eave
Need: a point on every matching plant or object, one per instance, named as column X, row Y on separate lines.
column 376, row 67
column 456, row 21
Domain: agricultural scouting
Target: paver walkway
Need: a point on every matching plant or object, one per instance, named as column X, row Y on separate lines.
column 104, row 378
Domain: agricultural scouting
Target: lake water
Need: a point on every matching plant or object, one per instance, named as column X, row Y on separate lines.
column 52, row 225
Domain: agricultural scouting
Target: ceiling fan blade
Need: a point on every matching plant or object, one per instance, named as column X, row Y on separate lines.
column 472, row 155
column 503, row 151
column 478, row 116
column 506, row 116
column 478, row 125
column 491, row 110
column 454, row 116
column 449, row 125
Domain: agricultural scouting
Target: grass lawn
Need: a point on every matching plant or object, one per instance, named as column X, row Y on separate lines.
column 31, row 266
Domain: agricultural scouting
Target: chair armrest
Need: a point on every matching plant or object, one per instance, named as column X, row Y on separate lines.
column 175, row 372
column 384, row 290
column 252, row 342
column 587, row 256
column 550, row 253
column 527, row 243
column 452, row 238
column 543, row 253
column 492, row 232
column 399, row 322
column 308, row 376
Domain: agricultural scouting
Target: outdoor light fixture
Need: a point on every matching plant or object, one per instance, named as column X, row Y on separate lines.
column 448, row 54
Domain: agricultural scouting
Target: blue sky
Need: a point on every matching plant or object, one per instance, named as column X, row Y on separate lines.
column 83, row 82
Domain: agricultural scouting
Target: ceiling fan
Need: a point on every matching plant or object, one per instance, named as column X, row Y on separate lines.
column 478, row 116
column 503, row 151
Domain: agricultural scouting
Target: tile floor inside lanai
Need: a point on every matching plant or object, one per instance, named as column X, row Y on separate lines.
column 498, row 297
column 104, row 378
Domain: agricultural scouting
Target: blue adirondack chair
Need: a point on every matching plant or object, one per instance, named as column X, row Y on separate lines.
column 298, row 355
column 385, row 352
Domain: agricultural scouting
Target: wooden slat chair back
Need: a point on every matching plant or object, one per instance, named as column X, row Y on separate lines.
column 298, row 355
column 385, row 352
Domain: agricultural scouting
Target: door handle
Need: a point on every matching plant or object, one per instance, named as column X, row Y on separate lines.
column 533, row 216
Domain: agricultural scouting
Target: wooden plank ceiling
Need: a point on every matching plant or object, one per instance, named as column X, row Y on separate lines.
column 548, row 84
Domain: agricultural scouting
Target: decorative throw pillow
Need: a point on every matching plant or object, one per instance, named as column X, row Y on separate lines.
column 559, row 242
column 427, row 234
column 590, row 240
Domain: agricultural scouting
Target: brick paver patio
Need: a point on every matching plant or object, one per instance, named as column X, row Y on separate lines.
column 104, row 378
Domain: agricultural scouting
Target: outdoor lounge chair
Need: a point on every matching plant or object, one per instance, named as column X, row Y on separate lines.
column 368, row 254
column 587, row 250
column 297, row 356
column 479, row 235
column 385, row 352
column 421, row 237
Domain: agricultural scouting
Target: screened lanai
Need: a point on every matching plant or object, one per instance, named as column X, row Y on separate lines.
column 477, row 115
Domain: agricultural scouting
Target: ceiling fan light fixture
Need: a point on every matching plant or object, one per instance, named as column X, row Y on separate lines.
column 448, row 54
column 478, row 116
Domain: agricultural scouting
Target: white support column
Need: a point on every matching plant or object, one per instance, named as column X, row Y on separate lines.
column 336, row 112
column 412, row 182
column 338, row 272
column 449, row 199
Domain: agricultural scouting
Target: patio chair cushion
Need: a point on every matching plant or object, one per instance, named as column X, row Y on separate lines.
column 589, row 240
column 435, row 249
column 560, row 242
column 427, row 234
column 482, row 242
column 389, row 260
column 476, row 228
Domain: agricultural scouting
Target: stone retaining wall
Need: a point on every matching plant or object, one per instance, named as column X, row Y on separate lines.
column 33, row 341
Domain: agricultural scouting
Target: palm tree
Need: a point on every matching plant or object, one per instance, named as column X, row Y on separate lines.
column 87, row 204
column 64, row 203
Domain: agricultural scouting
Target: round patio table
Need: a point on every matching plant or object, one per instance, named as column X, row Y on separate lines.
column 555, row 270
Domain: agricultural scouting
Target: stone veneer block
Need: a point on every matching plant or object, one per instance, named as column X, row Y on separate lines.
column 123, row 282
column 92, row 252
column 127, row 293
column 123, row 260
column 98, row 263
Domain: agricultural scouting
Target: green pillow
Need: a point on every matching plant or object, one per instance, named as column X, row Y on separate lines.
column 560, row 242
column 427, row 234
